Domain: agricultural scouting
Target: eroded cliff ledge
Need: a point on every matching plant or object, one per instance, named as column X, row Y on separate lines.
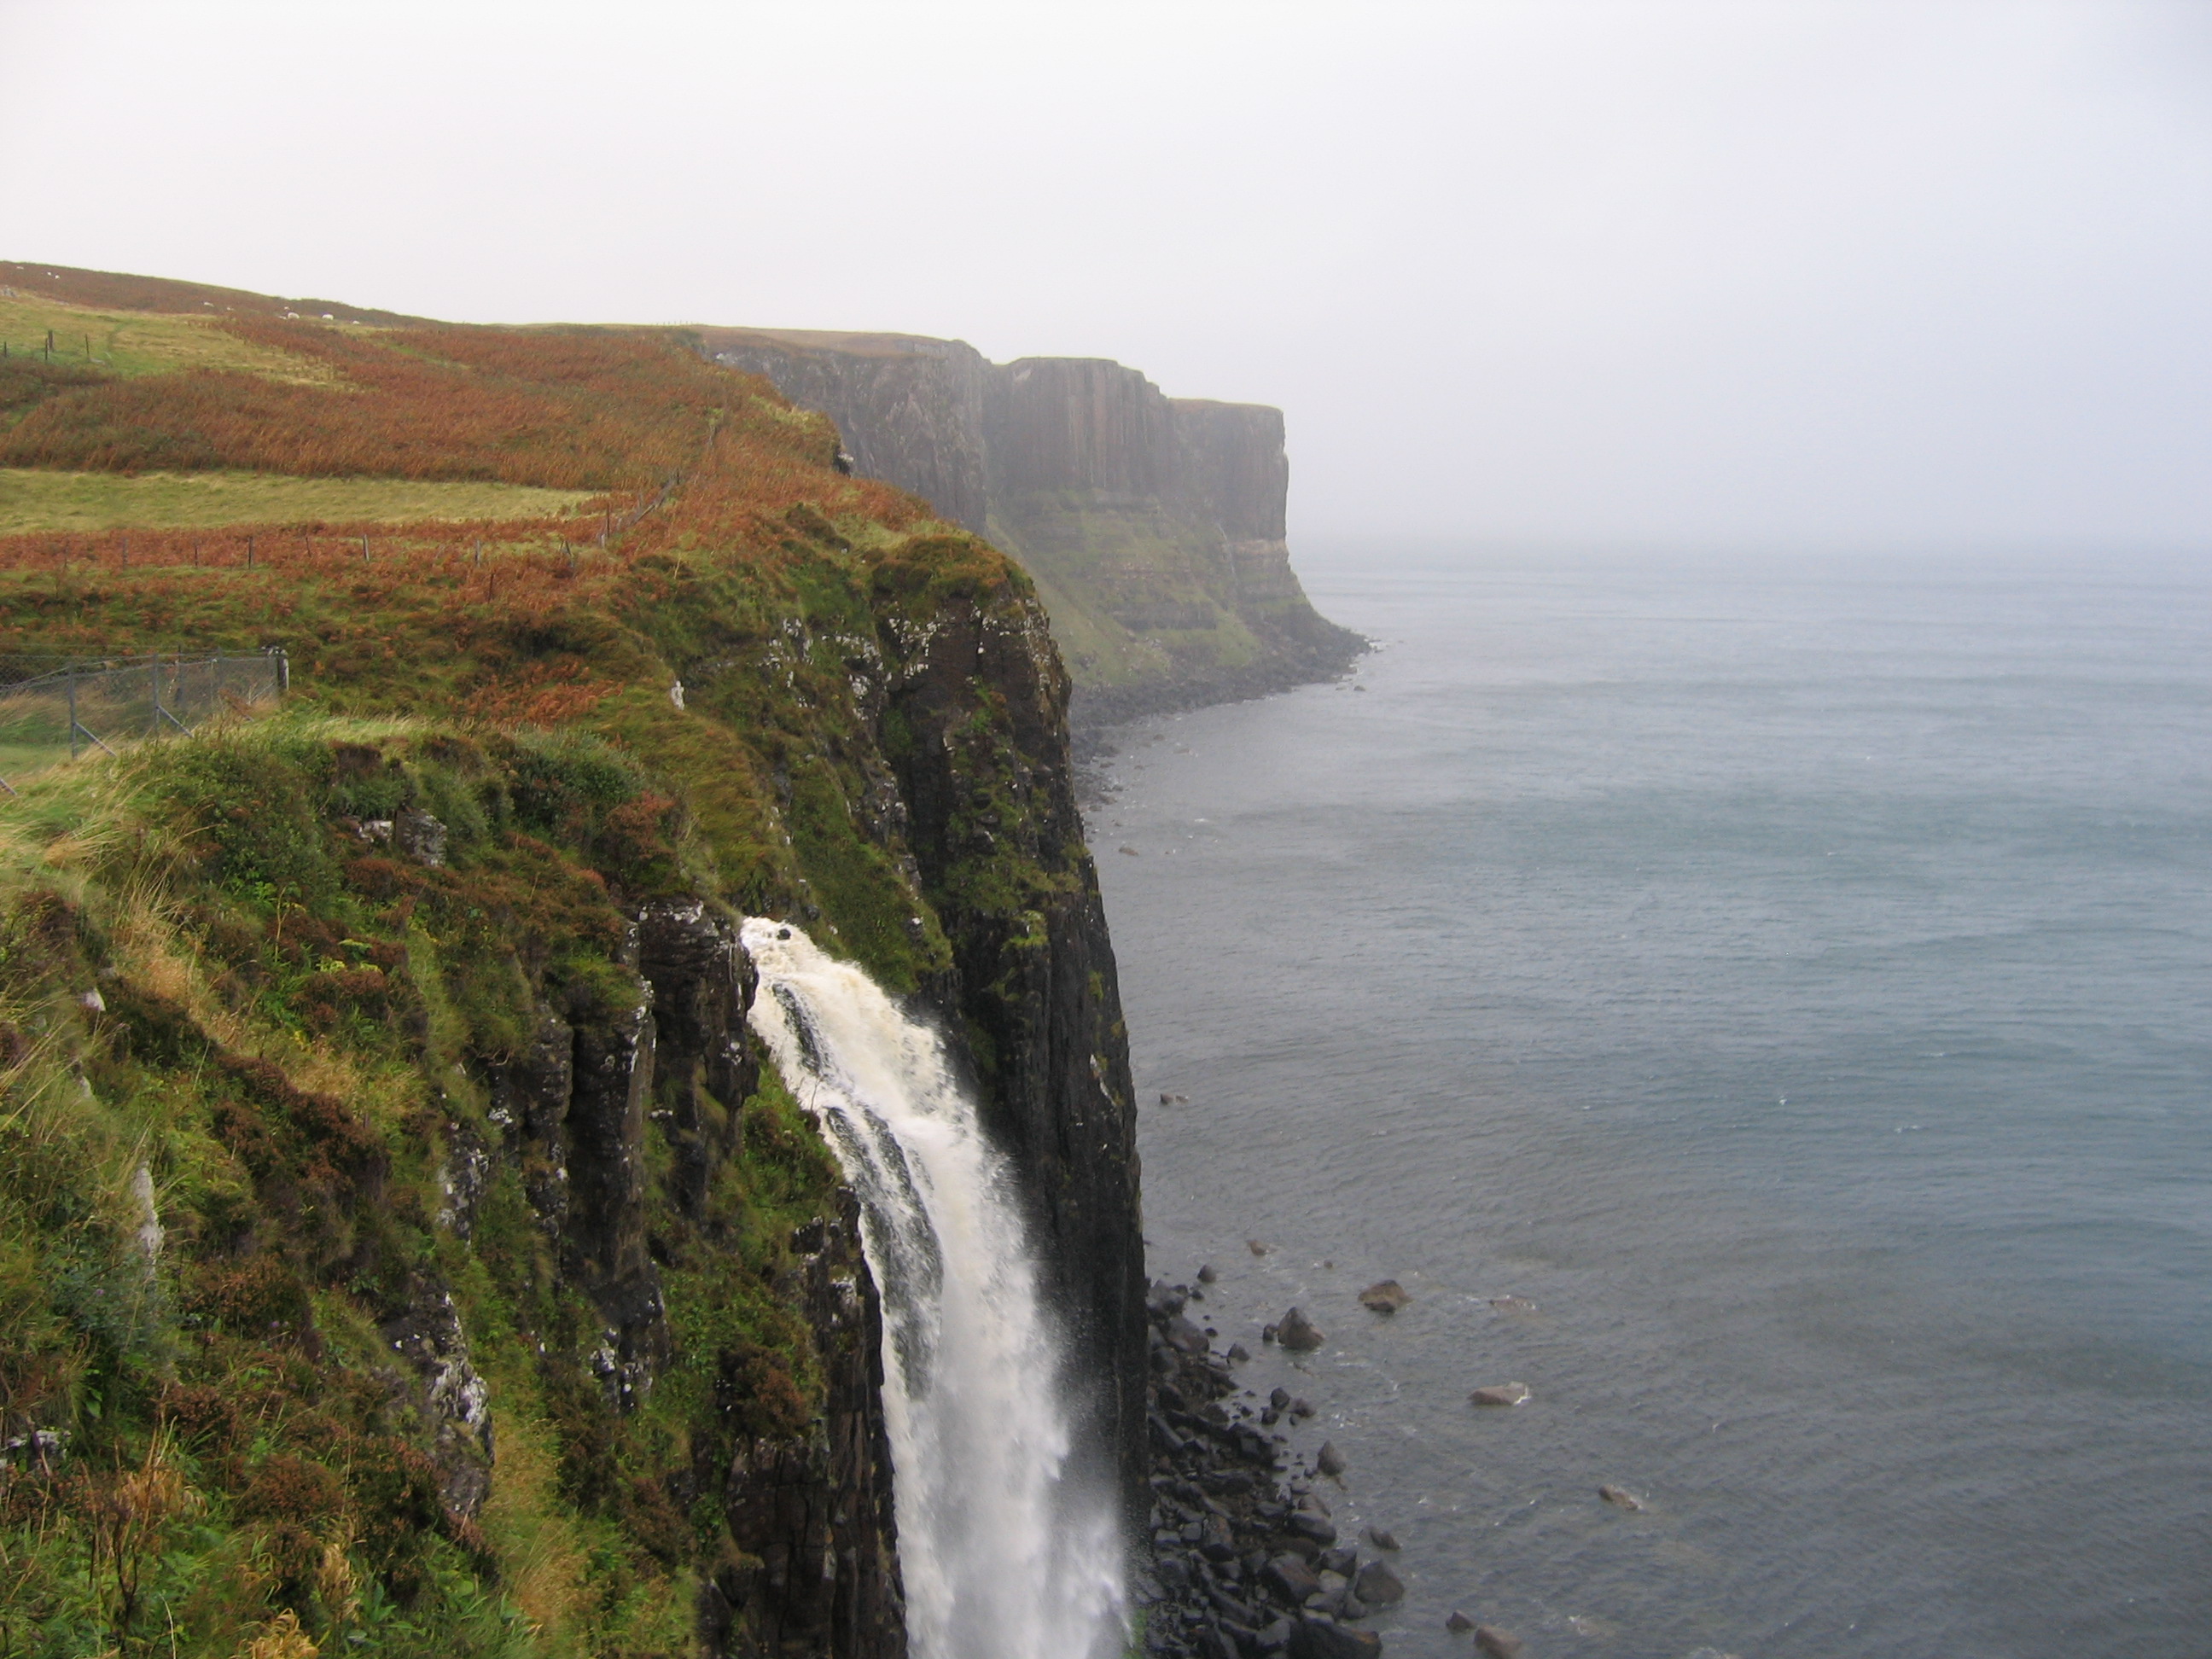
column 1153, row 525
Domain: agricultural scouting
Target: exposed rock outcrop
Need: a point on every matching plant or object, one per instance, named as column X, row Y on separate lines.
column 818, row 1571
column 1153, row 527
column 1033, row 997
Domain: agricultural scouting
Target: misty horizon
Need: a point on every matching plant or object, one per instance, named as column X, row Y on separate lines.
column 1844, row 275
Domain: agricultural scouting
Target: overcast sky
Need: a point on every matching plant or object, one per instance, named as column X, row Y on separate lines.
column 1780, row 273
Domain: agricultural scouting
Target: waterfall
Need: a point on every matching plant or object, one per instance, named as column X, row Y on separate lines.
column 1001, row 1559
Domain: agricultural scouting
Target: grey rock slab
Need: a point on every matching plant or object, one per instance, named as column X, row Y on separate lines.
column 1501, row 1393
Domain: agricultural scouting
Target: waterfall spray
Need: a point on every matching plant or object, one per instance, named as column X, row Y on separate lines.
column 1001, row 1558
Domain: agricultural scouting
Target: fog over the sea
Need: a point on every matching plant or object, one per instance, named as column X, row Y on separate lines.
column 1923, row 274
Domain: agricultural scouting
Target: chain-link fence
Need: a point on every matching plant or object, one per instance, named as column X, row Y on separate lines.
column 54, row 706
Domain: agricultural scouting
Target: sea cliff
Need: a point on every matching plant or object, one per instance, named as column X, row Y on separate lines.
column 407, row 1249
column 1153, row 527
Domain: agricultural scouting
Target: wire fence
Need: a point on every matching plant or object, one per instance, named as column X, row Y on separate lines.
column 53, row 705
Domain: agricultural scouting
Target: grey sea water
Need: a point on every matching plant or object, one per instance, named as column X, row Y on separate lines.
column 1795, row 978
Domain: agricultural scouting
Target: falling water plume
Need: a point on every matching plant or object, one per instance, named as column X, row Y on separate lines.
column 1003, row 1557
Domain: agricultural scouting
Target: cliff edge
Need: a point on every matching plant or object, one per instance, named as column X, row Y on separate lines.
column 403, row 1246
column 1152, row 526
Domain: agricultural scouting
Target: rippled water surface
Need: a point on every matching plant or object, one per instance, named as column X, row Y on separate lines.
column 1795, row 980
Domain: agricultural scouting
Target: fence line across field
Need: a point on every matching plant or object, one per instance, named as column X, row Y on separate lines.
column 49, row 703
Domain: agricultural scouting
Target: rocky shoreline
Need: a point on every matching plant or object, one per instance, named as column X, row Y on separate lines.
column 1244, row 1557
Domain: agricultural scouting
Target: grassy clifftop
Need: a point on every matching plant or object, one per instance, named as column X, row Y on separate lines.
column 396, row 1255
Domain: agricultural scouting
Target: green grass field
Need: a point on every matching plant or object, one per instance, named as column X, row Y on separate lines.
column 134, row 343
column 33, row 499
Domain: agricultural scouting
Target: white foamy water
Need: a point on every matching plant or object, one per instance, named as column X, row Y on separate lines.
column 1001, row 1558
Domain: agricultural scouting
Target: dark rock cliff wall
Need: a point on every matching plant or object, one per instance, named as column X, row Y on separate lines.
column 815, row 1568
column 1034, row 991
column 1154, row 526
column 909, row 409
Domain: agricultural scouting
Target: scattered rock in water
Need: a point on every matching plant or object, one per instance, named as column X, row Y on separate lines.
column 1297, row 1333
column 1513, row 1304
column 1502, row 1394
column 1497, row 1643
column 1382, row 1538
column 1131, row 852
column 1378, row 1586
column 1239, row 1536
column 1620, row 1497
column 1207, row 1275
column 1238, row 1353
column 1299, row 1408
column 1329, row 1460
column 1385, row 1296
column 1459, row 1624
column 1255, row 1246
column 1279, row 1398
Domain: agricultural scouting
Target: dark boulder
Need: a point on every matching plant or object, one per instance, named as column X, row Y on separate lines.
column 1378, row 1586
column 1292, row 1578
column 1324, row 1638
column 1329, row 1460
column 1297, row 1333
column 1186, row 1336
column 1497, row 1643
column 1304, row 1523
column 1385, row 1296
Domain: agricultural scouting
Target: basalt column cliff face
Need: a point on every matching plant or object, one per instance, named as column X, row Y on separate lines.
column 401, row 1229
column 1153, row 527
